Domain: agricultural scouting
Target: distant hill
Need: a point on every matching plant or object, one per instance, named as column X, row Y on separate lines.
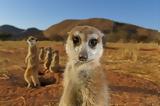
column 114, row 31
column 10, row 29
column 32, row 32
column 8, row 32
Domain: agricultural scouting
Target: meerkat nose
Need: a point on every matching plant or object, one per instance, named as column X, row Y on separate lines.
column 83, row 57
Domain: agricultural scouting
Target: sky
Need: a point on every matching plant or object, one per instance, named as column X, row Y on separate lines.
column 44, row 13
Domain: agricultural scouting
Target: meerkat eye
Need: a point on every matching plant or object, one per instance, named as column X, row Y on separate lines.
column 76, row 40
column 32, row 38
column 93, row 42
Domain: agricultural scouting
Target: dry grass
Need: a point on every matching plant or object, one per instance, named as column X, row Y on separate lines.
column 129, row 52
column 140, row 45
column 138, row 59
column 134, row 58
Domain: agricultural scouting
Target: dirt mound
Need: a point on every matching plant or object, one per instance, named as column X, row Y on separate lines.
column 128, row 90
column 14, row 92
column 20, row 101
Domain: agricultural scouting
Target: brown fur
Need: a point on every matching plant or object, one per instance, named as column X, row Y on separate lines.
column 84, row 81
column 55, row 62
column 48, row 58
column 42, row 54
column 85, row 29
column 54, row 67
column 31, row 72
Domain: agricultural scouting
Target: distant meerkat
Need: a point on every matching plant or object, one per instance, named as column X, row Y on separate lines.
column 84, row 79
column 54, row 67
column 48, row 58
column 42, row 54
column 31, row 72
column 55, row 61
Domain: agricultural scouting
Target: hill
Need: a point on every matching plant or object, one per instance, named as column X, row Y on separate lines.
column 32, row 32
column 114, row 31
column 8, row 32
column 10, row 29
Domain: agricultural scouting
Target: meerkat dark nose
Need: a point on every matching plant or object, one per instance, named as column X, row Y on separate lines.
column 83, row 57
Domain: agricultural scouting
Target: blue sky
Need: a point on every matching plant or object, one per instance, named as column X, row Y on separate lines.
column 43, row 13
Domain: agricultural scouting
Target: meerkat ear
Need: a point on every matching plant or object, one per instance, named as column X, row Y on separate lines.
column 102, row 34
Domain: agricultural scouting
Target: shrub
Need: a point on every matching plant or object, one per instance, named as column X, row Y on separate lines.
column 5, row 36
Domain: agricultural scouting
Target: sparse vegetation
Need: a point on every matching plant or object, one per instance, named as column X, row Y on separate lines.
column 130, row 52
column 140, row 59
column 5, row 36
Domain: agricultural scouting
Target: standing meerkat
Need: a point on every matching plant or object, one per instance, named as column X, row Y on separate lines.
column 48, row 58
column 31, row 72
column 54, row 67
column 55, row 61
column 41, row 54
column 84, row 79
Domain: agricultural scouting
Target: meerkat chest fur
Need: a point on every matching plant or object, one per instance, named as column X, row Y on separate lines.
column 33, row 51
column 81, row 74
column 33, row 56
column 87, row 80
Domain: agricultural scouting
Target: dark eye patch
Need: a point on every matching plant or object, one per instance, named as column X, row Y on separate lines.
column 32, row 39
column 93, row 43
column 76, row 40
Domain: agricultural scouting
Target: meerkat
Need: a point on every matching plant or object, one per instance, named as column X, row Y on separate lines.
column 55, row 61
column 84, row 79
column 54, row 67
column 31, row 72
column 41, row 54
column 48, row 58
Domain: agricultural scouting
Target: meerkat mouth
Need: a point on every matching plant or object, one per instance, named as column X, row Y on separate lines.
column 83, row 62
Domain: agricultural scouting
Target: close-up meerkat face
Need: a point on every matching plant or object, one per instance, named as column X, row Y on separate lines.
column 84, row 44
column 32, row 41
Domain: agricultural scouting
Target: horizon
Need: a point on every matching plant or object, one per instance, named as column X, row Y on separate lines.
column 42, row 14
